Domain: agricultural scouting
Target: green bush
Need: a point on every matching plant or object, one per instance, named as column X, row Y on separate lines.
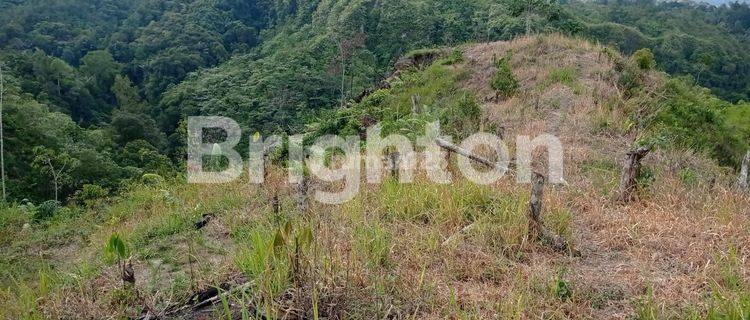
column 690, row 117
column 645, row 59
column 152, row 179
column 504, row 82
column 46, row 210
column 456, row 56
column 89, row 194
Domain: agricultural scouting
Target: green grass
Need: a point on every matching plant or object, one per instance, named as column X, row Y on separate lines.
column 374, row 243
column 566, row 76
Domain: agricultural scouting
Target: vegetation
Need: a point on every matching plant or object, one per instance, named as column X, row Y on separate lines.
column 704, row 41
column 96, row 96
column 504, row 82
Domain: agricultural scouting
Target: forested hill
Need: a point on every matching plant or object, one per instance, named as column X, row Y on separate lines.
column 709, row 43
column 117, row 69
column 121, row 76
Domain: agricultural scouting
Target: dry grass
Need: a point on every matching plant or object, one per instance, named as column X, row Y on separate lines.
column 384, row 254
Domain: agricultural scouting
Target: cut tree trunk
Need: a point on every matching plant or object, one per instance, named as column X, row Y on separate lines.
column 275, row 204
column 128, row 274
column 393, row 164
column 302, row 188
column 630, row 173
column 744, row 178
column 537, row 230
column 536, row 226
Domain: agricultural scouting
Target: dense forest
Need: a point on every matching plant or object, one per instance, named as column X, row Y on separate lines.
column 97, row 91
column 709, row 43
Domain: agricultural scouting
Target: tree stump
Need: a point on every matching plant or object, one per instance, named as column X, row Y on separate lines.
column 128, row 274
column 275, row 204
column 302, row 188
column 394, row 162
column 630, row 173
column 536, row 226
column 744, row 182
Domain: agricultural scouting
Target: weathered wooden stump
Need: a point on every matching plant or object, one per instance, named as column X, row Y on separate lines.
column 128, row 273
column 302, row 187
column 537, row 230
column 394, row 161
column 744, row 182
column 630, row 173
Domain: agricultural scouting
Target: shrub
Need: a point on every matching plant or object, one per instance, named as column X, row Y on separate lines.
column 690, row 117
column 456, row 56
column 90, row 194
column 46, row 210
column 152, row 179
column 504, row 82
column 645, row 59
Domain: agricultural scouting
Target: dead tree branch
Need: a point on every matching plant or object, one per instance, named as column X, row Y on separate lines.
column 445, row 144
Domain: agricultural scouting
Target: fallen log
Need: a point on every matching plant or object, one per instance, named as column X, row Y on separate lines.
column 630, row 173
column 199, row 300
column 447, row 145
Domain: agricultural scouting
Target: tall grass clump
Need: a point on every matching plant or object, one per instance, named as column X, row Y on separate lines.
column 374, row 243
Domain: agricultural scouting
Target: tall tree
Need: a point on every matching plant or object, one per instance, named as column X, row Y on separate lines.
column 57, row 165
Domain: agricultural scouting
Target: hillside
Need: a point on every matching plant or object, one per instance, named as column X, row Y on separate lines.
column 692, row 38
column 425, row 250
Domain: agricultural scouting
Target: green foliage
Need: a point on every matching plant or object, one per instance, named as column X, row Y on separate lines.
column 375, row 244
column 690, row 117
column 645, row 59
column 688, row 176
column 566, row 76
column 416, row 98
column 46, row 210
column 273, row 256
column 647, row 308
column 561, row 287
column 504, row 81
column 116, row 248
column 90, row 194
column 152, row 179
column 706, row 42
column 456, row 56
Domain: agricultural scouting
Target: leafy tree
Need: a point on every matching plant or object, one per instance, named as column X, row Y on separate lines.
column 102, row 68
column 57, row 165
column 127, row 96
column 136, row 126
column 644, row 58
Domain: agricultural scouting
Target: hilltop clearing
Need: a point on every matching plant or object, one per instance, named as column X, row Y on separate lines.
column 431, row 251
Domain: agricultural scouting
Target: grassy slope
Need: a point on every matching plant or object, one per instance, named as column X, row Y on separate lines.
column 682, row 250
